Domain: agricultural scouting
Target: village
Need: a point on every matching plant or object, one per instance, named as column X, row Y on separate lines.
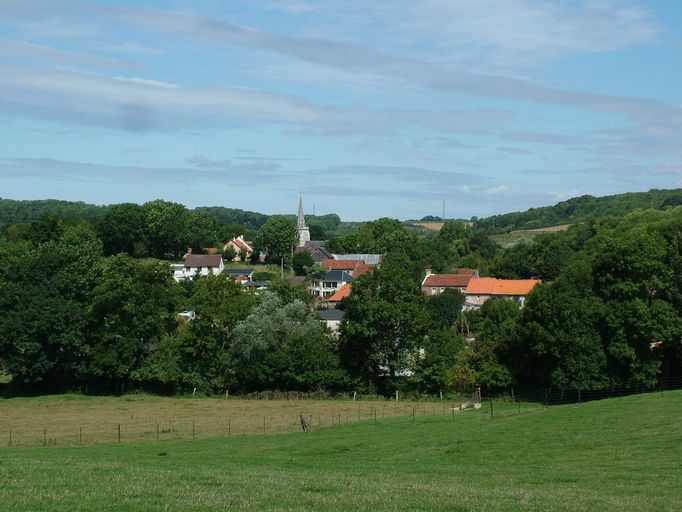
column 332, row 281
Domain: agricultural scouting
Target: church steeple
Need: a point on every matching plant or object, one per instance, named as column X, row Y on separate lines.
column 303, row 231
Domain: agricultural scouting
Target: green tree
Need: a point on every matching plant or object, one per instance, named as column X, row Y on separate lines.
column 46, row 328
column 133, row 308
column 301, row 261
column 166, row 228
column 385, row 323
column 285, row 346
column 122, row 229
column 277, row 237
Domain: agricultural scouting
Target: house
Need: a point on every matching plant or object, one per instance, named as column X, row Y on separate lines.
column 241, row 275
column 316, row 250
column 332, row 317
column 330, row 283
column 481, row 289
column 372, row 259
column 256, row 286
column 202, row 264
column 341, row 293
column 434, row 284
column 362, row 268
column 345, row 265
column 239, row 246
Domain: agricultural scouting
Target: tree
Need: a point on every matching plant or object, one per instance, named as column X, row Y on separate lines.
column 133, row 308
column 46, row 328
column 198, row 353
column 122, row 229
column 301, row 261
column 385, row 323
column 445, row 307
column 277, row 237
column 165, row 228
column 201, row 231
column 452, row 230
column 284, row 346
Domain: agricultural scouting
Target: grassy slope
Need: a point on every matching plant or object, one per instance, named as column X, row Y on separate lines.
column 611, row 455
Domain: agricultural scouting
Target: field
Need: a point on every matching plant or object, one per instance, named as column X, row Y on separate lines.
column 76, row 419
column 620, row 454
column 525, row 235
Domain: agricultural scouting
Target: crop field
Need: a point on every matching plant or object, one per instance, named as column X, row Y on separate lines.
column 619, row 454
column 76, row 419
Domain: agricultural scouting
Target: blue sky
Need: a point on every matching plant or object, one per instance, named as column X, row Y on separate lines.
column 369, row 108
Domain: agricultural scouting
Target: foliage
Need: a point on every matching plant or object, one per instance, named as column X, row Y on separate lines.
column 284, row 346
column 277, row 237
column 301, row 261
column 122, row 229
column 580, row 209
column 384, row 324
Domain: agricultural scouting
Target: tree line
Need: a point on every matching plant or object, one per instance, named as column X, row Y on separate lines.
column 79, row 315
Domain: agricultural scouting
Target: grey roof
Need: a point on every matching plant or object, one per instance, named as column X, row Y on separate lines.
column 257, row 284
column 338, row 276
column 314, row 244
column 372, row 259
column 238, row 271
column 331, row 315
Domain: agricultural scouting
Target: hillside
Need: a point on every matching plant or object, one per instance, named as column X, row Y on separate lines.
column 620, row 454
column 580, row 209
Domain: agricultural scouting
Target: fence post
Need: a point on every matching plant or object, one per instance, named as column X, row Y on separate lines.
column 44, row 436
column 80, row 435
column 193, row 435
column 492, row 414
column 119, row 432
column 263, row 424
column 413, row 411
column 10, row 436
column 580, row 400
column 229, row 427
column 157, row 430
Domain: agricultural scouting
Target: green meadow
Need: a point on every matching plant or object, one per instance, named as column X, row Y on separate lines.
column 619, row 454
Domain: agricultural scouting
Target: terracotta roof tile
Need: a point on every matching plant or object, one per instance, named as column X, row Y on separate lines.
column 340, row 294
column 363, row 268
column 340, row 264
column 492, row 286
column 448, row 280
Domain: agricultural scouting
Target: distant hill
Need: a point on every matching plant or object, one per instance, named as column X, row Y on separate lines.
column 13, row 211
column 580, row 209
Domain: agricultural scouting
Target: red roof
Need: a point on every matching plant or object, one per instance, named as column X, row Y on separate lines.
column 363, row 268
column 448, row 280
column 240, row 243
column 203, row 260
column 340, row 294
column 492, row 286
column 330, row 264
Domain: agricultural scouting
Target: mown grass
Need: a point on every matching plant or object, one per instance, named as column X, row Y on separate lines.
column 621, row 454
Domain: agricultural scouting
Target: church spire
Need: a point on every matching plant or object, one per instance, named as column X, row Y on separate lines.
column 301, row 217
column 303, row 231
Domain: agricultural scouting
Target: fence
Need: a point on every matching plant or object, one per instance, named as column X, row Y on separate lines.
column 86, row 430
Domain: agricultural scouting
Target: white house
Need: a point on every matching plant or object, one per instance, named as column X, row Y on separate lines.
column 202, row 264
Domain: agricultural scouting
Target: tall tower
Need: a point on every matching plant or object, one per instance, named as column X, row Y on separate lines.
column 303, row 230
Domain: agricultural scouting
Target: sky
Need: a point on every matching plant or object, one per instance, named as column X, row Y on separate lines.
column 368, row 109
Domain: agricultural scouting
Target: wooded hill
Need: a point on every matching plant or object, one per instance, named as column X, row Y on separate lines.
column 581, row 209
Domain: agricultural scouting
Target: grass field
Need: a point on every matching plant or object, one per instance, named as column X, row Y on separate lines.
column 77, row 419
column 525, row 235
column 622, row 454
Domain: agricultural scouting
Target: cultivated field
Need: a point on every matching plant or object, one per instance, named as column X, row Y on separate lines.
column 619, row 454
column 76, row 419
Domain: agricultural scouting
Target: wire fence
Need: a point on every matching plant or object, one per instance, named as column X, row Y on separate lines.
column 311, row 416
column 136, row 429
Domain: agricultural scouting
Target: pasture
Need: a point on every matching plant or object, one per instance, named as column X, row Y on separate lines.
column 77, row 419
column 619, row 454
